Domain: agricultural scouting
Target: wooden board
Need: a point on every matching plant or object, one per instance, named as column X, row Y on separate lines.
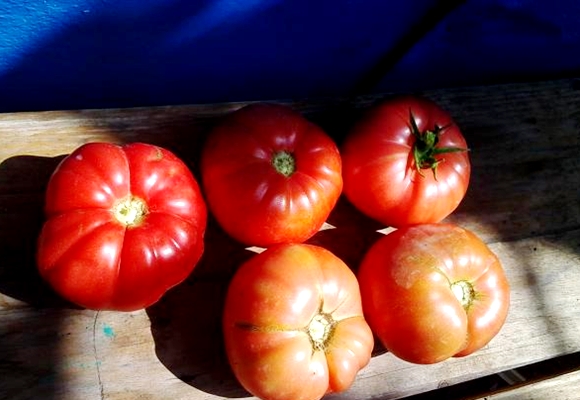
column 524, row 201
column 563, row 387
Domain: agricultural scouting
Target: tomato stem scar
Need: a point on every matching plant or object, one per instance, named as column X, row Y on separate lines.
column 130, row 211
column 464, row 292
column 284, row 163
column 320, row 330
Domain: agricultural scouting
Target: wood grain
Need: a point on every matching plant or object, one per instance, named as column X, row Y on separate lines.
column 524, row 201
column 563, row 387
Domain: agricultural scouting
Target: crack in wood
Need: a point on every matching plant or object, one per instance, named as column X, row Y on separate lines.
column 97, row 361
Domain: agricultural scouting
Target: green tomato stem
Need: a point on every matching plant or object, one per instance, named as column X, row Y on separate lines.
column 425, row 148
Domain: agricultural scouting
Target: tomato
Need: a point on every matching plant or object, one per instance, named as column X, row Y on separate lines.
column 270, row 176
column 124, row 224
column 405, row 162
column 293, row 324
column 433, row 291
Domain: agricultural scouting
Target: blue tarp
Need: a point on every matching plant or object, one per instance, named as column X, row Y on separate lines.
column 65, row 54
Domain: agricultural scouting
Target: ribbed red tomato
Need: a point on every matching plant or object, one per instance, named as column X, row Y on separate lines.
column 124, row 224
column 269, row 175
column 433, row 291
column 405, row 162
column 293, row 324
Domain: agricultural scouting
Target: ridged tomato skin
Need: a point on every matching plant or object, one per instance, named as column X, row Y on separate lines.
column 123, row 225
column 269, row 175
column 381, row 175
column 433, row 291
column 293, row 324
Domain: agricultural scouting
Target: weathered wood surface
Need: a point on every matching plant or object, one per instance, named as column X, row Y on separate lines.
column 524, row 201
column 563, row 387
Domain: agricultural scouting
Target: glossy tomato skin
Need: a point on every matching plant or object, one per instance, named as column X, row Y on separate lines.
column 275, row 306
column 411, row 281
column 95, row 260
column 381, row 177
column 250, row 198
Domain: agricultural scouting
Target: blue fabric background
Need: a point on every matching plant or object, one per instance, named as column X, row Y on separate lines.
column 65, row 54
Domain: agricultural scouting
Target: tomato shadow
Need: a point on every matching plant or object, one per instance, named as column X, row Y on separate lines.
column 23, row 180
column 186, row 322
column 31, row 311
column 350, row 234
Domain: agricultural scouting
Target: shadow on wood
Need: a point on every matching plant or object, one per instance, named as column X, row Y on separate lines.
column 29, row 352
column 186, row 322
column 23, row 180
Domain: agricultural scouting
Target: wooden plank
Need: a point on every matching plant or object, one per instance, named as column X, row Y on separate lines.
column 524, row 201
column 563, row 387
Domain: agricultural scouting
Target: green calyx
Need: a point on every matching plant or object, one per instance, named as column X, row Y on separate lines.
column 284, row 163
column 425, row 150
